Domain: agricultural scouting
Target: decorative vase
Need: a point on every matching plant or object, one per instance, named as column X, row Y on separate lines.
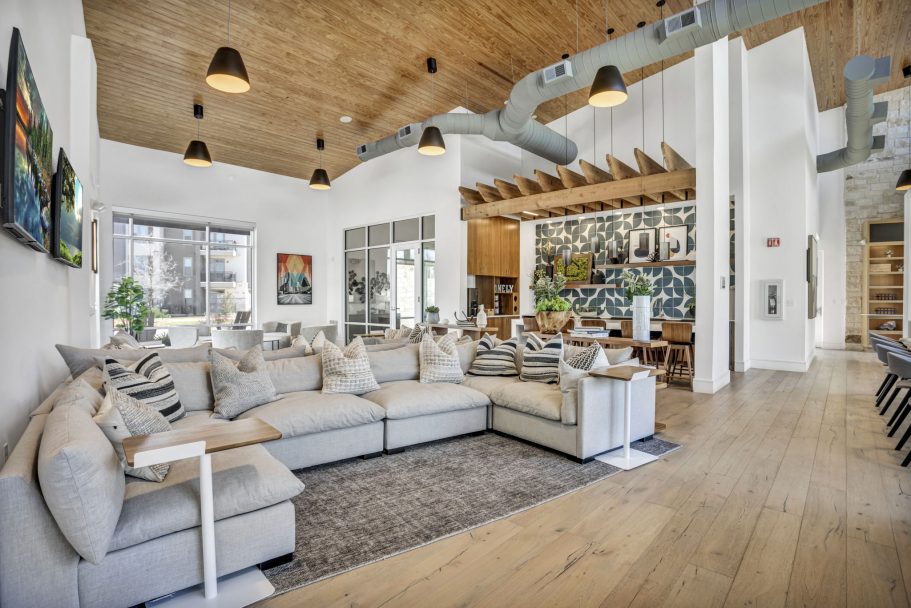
column 433, row 317
column 642, row 312
column 481, row 318
column 551, row 322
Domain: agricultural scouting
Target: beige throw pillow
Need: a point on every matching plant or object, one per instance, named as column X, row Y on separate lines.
column 347, row 371
column 301, row 343
column 440, row 360
column 242, row 387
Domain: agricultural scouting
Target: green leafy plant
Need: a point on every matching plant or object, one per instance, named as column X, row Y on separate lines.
column 432, row 309
column 547, row 292
column 637, row 284
column 126, row 304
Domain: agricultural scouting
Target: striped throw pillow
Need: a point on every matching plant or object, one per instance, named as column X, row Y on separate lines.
column 417, row 334
column 148, row 381
column 589, row 358
column 541, row 360
column 495, row 360
column 440, row 360
column 347, row 371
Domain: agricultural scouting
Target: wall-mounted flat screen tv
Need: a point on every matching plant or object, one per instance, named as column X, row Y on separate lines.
column 66, row 233
column 28, row 159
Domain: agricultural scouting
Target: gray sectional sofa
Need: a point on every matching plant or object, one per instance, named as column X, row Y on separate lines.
column 142, row 538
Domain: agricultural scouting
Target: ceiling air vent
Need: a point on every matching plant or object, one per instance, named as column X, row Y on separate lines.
column 405, row 131
column 681, row 23
column 361, row 150
column 557, row 71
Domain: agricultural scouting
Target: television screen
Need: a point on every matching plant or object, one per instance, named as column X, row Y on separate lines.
column 27, row 154
column 66, row 239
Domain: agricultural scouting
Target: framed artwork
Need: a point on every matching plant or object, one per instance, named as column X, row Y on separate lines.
column 295, row 276
column 641, row 245
column 66, row 233
column 772, row 299
column 675, row 239
column 812, row 276
column 579, row 270
column 28, row 154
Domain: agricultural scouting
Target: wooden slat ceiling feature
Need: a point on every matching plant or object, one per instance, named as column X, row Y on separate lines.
column 311, row 62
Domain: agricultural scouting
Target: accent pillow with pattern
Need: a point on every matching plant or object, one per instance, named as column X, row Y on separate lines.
column 301, row 343
column 241, row 387
column 147, row 380
column 541, row 360
column 590, row 357
column 417, row 334
column 121, row 416
column 347, row 371
column 319, row 340
column 494, row 359
column 440, row 360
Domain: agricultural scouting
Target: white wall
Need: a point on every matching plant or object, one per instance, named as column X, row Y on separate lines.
column 289, row 216
column 44, row 301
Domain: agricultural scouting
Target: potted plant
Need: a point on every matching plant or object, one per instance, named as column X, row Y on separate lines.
column 639, row 289
column 433, row 314
column 552, row 311
column 126, row 305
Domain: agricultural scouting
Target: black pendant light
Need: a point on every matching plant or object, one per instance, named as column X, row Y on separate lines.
column 320, row 179
column 227, row 71
column 432, row 143
column 904, row 180
column 608, row 89
column 197, row 154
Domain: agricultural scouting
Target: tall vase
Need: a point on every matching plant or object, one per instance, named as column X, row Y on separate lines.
column 481, row 317
column 642, row 312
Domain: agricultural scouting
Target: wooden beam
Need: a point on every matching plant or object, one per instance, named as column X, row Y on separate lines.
column 649, row 166
column 674, row 161
column 548, row 182
column 529, row 187
column 570, row 178
column 596, row 175
column 620, row 171
column 471, row 196
column 626, row 188
column 489, row 193
column 506, row 189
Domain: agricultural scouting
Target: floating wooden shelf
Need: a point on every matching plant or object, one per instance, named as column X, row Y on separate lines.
column 873, row 274
column 894, row 257
column 594, row 286
column 650, row 264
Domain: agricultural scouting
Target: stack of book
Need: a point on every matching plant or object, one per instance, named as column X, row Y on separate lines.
column 590, row 332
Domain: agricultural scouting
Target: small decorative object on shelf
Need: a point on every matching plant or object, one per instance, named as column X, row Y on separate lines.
column 888, row 326
column 888, row 253
column 598, row 277
column 462, row 319
column 639, row 289
column 480, row 319
column 654, row 256
column 433, row 314
column 900, row 267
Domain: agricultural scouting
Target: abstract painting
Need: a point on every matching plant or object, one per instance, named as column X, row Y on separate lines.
column 28, row 155
column 295, row 275
column 641, row 245
column 67, row 227
column 675, row 237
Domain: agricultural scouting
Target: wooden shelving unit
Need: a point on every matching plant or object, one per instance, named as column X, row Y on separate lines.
column 649, row 264
column 883, row 277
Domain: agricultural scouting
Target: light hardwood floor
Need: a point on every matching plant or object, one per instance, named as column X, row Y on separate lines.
column 786, row 493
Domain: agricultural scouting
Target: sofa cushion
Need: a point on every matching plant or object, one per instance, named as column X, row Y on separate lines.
column 618, row 355
column 410, row 398
column 193, row 384
column 440, row 360
column 495, row 359
column 245, row 479
column 81, row 359
column 535, row 398
column 241, row 387
column 541, row 360
column 487, row 384
column 313, row 412
column 288, row 352
column 81, row 480
column 196, row 419
column 148, row 381
column 296, row 374
column 121, row 417
column 392, row 364
column 347, row 371
column 78, row 393
column 467, row 352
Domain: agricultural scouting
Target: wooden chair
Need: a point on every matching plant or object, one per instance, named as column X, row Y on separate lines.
column 679, row 364
column 626, row 329
column 529, row 322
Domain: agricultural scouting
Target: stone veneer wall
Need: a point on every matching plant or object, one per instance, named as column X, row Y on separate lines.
column 870, row 194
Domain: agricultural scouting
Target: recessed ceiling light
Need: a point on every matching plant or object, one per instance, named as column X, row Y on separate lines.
column 345, row 119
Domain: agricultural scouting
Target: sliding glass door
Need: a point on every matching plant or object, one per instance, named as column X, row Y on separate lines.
column 407, row 283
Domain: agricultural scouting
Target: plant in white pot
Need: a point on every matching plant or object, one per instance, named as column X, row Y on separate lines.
column 639, row 290
column 552, row 311
column 433, row 314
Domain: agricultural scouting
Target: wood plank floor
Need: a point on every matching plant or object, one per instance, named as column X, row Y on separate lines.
column 786, row 493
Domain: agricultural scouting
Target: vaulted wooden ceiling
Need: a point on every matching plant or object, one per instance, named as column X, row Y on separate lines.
column 311, row 62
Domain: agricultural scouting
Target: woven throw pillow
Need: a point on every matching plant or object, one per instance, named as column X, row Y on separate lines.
column 318, row 341
column 147, row 380
column 301, row 343
column 440, row 360
column 347, row 371
column 241, row 387
column 121, row 416
column 495, row 360
column 401, row 333
column 417, row 334
column 541, row 360
column 590, row 357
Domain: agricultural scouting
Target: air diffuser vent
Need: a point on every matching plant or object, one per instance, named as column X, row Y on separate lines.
column 557, row 71
column 405, row 131
column 681, row 23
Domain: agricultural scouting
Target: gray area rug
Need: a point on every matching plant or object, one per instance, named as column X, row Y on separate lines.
column 356, row 512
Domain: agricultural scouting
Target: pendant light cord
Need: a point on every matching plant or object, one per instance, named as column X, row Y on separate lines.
column 229, row 22
column 663, row 117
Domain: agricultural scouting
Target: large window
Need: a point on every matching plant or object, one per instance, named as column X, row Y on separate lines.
column 194, row 272
column 389, row 270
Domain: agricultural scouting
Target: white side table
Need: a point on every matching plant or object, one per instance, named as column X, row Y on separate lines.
column 630, row 458
column 238, row 589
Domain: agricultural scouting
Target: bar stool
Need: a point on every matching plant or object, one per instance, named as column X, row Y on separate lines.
column 679, row 364
column 882, row 351
column 900, row 365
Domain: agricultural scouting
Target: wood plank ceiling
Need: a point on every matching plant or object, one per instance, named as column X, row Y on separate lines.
column 311, row 62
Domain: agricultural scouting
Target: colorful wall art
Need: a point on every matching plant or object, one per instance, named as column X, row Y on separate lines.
column 66, row 242
column 295, row 275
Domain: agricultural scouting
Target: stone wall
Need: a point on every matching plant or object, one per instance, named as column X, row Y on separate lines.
column 870, row 194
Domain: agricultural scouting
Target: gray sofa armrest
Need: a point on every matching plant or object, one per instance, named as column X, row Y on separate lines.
column 38, row 567
column 600, row 416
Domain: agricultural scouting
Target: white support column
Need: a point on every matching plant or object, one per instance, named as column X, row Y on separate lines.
column 712, row 217
column 906, row 307
column 740, row 191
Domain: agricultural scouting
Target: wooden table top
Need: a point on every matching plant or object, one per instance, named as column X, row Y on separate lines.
column 488, row 329
column 218, row 437
column 624, row 372
column 611, row 341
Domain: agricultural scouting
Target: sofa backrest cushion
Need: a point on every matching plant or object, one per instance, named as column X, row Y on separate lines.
column 395, row 364
column 296, row 374
column 193, row 384
column 81, row 480
column 269, row 355
column 81, row 359
column 467, row 353
column 79, row 393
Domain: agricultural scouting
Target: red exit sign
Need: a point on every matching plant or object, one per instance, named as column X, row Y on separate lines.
column 773, row 242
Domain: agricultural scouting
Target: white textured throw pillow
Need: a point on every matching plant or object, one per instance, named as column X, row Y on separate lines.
column 301, row 343
column 121, row 416
column 618, row 355
column 319, row 340
column 241, row 387
column 541, row 360
column 347, row 371
column 440, row 360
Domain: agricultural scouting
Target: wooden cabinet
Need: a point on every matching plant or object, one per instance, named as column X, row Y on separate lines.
column 493, row 247
column 884, row 280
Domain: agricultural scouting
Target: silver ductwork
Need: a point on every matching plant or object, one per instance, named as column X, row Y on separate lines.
column 677, row 34
column 861, row 74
